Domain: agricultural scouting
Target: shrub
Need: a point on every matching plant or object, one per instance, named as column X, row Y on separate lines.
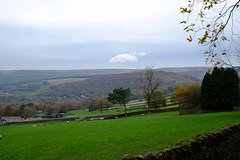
column 189, row 96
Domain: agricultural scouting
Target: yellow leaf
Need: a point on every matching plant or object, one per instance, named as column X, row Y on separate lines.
column 183, row 22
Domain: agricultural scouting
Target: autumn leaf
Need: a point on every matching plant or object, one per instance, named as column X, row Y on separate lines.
column 189, row 39
column 224, row 38
column 183, row 22
column 206, row 52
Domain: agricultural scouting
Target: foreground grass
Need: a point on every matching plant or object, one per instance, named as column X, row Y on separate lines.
column 107, row 139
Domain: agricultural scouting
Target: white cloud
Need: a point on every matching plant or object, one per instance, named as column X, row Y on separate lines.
column 127, row 57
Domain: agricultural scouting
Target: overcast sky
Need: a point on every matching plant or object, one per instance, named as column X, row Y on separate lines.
column 90, row 34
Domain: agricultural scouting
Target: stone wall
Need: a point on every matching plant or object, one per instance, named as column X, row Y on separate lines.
column 223, row 144
column 200, row 111
column 12, row 118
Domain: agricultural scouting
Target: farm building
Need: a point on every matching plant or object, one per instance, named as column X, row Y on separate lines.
column 58, row 115
column 2, row 121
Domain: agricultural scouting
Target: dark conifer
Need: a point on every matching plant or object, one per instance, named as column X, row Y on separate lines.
column 220, row 89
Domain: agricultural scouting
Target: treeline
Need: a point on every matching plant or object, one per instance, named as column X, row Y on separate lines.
column 219, row 90
column 28, row 110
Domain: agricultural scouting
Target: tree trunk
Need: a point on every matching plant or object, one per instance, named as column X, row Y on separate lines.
column 125, row 108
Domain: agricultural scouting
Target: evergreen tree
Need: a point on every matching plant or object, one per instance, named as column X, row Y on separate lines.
column 206, row 95
column 220, row 89
column 120, row 96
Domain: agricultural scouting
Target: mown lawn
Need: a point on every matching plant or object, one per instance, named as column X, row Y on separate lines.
column 106, row 139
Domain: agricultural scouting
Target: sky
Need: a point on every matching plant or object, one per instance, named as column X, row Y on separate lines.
column 94, row 34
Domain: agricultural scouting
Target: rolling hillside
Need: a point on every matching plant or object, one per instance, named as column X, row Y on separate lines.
column 196, row 72
column 25, row 76
column 102, row 86
column 39, row 85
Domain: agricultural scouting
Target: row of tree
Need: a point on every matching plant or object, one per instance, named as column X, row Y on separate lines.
column 219, row 90
column 28, row 110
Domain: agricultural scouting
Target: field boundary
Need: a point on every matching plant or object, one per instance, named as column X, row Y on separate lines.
column 217, row 145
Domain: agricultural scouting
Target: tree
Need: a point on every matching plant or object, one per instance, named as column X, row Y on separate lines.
column 206, row 88
column 158, row 100
column 120, row 96
column 98, row 104
column 218, row 25
column 2, row 111
column 170, row 89
column 107, row 104
column 28, row 112
column 149, row 84
column 193, row 96
column 21, row 110
column 52, row 108
column 220, row 89
column 189, row 96
column 101, row 104
column 181, row 94
column 15, row 111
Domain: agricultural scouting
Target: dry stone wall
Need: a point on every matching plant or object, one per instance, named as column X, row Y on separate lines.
column 223, row 144
column 200, row 111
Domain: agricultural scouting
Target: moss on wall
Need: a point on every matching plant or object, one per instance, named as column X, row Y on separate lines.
column 221, row 144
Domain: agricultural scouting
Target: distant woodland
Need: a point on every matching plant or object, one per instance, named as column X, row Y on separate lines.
column 101, row 86
column 23, row 87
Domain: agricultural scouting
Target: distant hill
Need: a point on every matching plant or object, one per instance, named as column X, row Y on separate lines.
column 38, row 85
column 22, row 76
column 196, row 72
column 6, row 71
column 102, row 86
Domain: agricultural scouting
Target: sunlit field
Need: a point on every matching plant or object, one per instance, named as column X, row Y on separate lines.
column 106, row 139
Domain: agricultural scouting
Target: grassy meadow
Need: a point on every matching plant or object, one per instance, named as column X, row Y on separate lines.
column 113, row 111
column 106, row 139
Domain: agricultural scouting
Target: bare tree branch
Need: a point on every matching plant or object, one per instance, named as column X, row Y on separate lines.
column 212, row 28
column 148, row 84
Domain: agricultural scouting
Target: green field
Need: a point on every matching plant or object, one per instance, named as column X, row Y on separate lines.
column 106, row 139
column 112, row 111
